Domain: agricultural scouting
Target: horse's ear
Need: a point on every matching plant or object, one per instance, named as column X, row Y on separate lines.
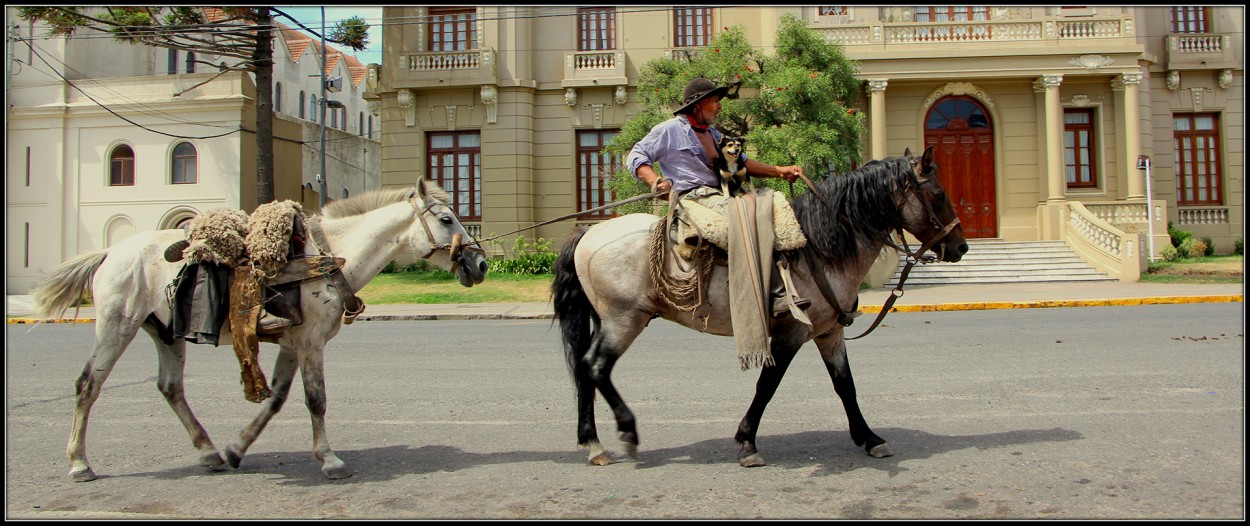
column 906, row 152
column 927, row 159
column 419, row 189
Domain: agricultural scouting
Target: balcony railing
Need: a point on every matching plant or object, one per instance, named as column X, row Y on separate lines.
column 1200, row 51
column 1202, row 216
column 885, row 34
column 447, row 68
column 594, row 68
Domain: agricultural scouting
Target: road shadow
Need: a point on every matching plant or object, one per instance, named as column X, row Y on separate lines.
column 832, row 452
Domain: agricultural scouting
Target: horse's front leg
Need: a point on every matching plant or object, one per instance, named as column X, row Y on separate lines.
column 608, row 346
column 784, row 346
column 313, row 374
column 172, row 359
column 283, row 374
column 833, row 352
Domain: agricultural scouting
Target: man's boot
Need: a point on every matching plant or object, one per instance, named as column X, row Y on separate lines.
column 272, row 324
column 781, row 307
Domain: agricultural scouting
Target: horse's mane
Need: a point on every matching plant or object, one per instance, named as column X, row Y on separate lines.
column 374, row 200
column 864, row 210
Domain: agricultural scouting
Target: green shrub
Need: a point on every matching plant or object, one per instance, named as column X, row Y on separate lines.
column 1197, row 249
column 1237, row 246
column 1178, row 236
column 1210, row 246
column 528, row 258
column 1170, row 254
column 1185, row 247
column 390, row 268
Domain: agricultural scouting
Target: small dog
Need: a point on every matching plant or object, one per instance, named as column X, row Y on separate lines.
column 732, row 165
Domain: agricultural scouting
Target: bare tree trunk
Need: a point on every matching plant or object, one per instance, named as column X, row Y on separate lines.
column 263, row 57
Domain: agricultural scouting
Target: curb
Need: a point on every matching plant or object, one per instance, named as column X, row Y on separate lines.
column 935, row 307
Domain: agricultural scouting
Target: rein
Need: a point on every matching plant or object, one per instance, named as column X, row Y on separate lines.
column 573, row 215
column 913, row 184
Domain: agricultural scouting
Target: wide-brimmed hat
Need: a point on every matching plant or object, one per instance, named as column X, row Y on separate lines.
column 698, row 89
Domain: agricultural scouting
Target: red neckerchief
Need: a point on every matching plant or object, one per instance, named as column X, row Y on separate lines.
column 695, row 125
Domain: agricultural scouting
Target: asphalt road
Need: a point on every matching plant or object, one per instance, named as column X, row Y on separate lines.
column 1064, row 413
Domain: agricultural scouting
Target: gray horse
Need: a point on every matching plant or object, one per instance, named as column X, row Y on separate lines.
column 604, row 293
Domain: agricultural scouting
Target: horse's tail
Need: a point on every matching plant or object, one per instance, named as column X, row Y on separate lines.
column 572, row 306
column 66, row 285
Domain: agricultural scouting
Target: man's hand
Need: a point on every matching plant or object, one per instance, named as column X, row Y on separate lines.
column 789, row 173
column 660, row 185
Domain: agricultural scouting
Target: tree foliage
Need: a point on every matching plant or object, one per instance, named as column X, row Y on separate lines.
column 241, row 33
column 793, row 107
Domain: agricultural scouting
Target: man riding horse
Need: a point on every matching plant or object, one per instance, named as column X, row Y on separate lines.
column 685, row 148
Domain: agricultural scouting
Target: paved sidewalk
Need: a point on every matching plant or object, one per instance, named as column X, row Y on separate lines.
column 19, row 309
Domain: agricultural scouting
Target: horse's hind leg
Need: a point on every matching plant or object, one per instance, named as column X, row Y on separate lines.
column 610, row 343
column 283, row 375
column 172, row 359
column 783, row 352
column 833, row 352
column 112, row 336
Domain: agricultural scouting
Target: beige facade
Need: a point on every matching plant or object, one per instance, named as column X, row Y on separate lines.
column 527, row 89
column 74, row 101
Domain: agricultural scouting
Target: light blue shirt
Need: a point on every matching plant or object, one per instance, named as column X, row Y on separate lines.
column 673, row 146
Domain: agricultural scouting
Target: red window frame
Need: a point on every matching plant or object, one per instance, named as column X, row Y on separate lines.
column 1197, row 159
column 1080, row 162
column 692, row 26
column 452, row 29
column 1189, row 19
column 596, row 28
column 457, row 168
column 594, row 170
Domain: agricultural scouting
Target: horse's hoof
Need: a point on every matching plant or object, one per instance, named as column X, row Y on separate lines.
column 211, row 459
column 336, row 472
column 82, row 475
column 602, row 459
column 630, row 449
column 233, row 457
column 881, row 450
column 754, row 460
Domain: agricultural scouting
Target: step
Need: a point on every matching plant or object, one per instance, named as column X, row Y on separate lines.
column 998, row 261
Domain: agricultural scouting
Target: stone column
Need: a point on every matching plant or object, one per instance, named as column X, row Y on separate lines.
column 876, row 123
column 1125, row 89
column 1053, row 140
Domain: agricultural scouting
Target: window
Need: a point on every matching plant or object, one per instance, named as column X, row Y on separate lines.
column 1197, row 152
column 334, row 117
column 122, row 166
column 183, row 164
column 596, row 28
column 953, row 14
column 28, row 166
column 312, row 108
column 277, row 98
column 830, row 10
column 370, row 127
column 190, row 62
column 172, row 67
column 301, row 105
column 594, row 169
column 957, row 114
column 452, row 28
column 456, row 165
column 692, row 26
column 360, row 123
column 1189, row 19
column 1078, row 148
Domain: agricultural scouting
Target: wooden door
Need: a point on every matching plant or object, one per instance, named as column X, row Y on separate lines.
column 960, row 130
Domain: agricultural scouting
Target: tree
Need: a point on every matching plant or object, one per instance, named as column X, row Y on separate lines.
column 241, row 33
column 792, row 107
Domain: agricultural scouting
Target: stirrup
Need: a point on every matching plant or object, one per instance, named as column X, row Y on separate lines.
column 781, row 307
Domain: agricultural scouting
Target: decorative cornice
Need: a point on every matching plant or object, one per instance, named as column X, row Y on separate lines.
column 959, row 88
column 490, row 98
column 408, row 101
column 1091, row 61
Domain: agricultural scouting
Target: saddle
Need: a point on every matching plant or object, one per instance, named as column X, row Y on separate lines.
column 250, row 275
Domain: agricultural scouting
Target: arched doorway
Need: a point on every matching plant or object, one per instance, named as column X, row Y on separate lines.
column 959, row 128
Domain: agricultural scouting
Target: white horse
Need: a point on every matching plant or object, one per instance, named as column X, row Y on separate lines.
column 128, row 284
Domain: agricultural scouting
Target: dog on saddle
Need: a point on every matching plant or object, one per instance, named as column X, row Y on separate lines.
column 732, row 165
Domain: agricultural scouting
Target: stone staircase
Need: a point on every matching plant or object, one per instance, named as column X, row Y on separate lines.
column 998, row 261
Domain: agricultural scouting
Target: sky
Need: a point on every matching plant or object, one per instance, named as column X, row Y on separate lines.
column 311, row 16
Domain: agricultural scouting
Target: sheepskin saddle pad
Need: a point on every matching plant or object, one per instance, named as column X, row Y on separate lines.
column 707, row 213
column 228, row 237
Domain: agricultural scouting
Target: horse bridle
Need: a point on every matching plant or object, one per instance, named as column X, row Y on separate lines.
column 913, row 185
column 453, row 248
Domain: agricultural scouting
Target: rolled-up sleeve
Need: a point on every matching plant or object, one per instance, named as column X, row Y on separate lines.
column 643, row 152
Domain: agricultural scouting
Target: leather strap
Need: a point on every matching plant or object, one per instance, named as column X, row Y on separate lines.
column 353, row 305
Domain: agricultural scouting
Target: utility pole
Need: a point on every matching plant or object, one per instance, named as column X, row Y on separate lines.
column 321, row 178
